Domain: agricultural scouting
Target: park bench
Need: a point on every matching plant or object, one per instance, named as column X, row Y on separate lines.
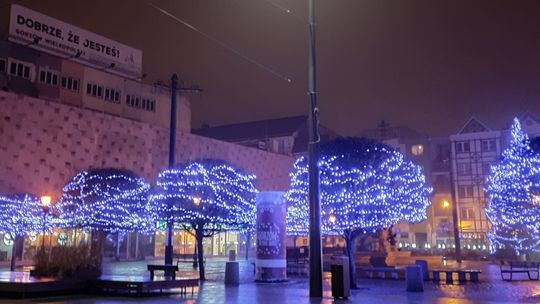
column 512, row 267
column 462, row 275
column 388, row 272
column 186, row 258
column 172, row 269
column 379, row 269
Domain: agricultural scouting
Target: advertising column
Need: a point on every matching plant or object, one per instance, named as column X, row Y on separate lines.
column 271, row 263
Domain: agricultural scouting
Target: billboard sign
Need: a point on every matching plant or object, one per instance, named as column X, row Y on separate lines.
column 58, row 38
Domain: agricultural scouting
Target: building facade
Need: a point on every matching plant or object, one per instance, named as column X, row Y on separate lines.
column 61, row 115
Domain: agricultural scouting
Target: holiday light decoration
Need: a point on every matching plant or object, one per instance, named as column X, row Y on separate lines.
column 110, row 200
column 205, row 197
column 513, row 187
column 22, row 214
column 364, row 186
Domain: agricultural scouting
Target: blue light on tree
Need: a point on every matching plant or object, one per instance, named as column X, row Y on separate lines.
column 21, row 215
column 513, row 187
column 205, row 197
column 109, row 200
column 364, row 186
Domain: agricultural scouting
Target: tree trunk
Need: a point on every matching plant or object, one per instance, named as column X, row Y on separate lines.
column 117, row 256
column 13, row 253
column 247, row 245
column 137, row 255
column 199, row 238
column 349, row 244
column 127, row 245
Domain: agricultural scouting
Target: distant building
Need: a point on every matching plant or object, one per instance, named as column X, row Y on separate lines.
column 288, row 135
column 473, row 150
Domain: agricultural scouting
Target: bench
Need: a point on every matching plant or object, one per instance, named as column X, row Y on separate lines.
column 187, row 258
column 520, row 267
column 382, row 272
column 462, row 275
column 118, row 284
column 172, row 269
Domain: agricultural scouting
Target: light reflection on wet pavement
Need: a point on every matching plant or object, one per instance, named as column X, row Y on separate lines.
column 490, row 289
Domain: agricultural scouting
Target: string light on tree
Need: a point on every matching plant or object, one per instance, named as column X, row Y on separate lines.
column 514, row 188
column 111, row 200
column 364, row 186
column 205, row 197
column 21, row 215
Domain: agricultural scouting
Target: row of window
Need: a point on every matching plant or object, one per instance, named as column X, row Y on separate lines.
column 486, row 145
column 53, row 78
column 141, row 103
column 102, row 92
column 46, row 76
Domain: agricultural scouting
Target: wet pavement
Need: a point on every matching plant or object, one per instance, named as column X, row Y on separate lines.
column 490, row 289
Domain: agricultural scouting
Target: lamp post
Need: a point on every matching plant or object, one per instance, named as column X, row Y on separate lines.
column 315, row 249
column 172, row 149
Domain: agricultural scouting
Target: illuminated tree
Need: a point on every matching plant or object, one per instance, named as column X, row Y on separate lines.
column 109, row 200
column 514, row 196
column 364, row 186
column 20, row 215
column 205, row 197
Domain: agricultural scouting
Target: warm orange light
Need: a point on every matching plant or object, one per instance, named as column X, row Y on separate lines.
column 445, row 204
column 196, row 200
column 45, row 201
column 536, row 200
column 332, row 218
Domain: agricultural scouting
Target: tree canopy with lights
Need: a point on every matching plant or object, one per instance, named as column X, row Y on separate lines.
column 20, row 215
column 109, row 200
column 364, row 186
column 514, row 196
column 205, row 197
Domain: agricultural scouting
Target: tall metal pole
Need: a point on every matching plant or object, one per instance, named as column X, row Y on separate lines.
column 172, row 149
column 315, row 250
column 455, row 220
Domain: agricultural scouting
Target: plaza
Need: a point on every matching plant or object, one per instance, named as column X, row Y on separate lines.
column 490, row 289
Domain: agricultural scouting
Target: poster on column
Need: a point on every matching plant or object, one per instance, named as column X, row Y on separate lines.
column 271, row 263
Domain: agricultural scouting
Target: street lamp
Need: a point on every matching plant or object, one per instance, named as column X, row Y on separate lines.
column 445, row 204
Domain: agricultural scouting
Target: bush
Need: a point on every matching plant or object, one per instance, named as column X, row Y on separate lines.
column 67, row 261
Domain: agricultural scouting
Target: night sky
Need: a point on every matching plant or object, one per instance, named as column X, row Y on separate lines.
column 427, row 64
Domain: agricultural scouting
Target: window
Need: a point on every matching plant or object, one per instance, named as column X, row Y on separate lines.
column 463, row 146
column 141, row 103
column 3, row 65
column 488, row 145
column 94, row 90
column 465, row 191
column 20, row 69
column 463, row 168
column 417, row 150
column 112, row 95
column 467, row 213
column 70, row 83
column 48, row 77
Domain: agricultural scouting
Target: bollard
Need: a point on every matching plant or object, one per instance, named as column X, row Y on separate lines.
column 425, row 270
column 413, row 276
column 232, row 274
